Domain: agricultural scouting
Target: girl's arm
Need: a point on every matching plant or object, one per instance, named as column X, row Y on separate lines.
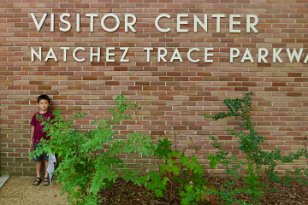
column 31, row 136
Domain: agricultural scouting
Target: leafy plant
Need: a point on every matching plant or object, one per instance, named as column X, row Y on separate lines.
column 230, row 190
column 182, row 175
column 90, row 160
column 257, row 162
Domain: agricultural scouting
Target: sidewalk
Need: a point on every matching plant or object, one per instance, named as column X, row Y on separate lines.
column 20, row 191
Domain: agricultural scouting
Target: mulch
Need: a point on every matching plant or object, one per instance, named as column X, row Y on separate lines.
column 295, row 193
column 126, row 193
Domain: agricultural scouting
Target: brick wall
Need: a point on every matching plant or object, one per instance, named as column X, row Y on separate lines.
column 173, row 96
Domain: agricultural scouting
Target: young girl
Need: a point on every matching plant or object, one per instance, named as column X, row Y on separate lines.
column 37, row 134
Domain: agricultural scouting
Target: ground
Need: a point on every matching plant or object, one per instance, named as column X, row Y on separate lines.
column 20, row 191
column 123, row 193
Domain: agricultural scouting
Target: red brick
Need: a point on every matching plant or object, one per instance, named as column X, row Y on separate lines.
column 173, row 96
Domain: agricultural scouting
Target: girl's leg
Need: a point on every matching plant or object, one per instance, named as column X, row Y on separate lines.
column 46, row 178
column 38, row 168
column 46, row 165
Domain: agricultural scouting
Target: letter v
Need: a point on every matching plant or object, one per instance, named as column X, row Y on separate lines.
column 38, row 25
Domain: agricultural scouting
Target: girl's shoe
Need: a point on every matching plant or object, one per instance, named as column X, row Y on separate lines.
column 46, row 181
column 37, row 181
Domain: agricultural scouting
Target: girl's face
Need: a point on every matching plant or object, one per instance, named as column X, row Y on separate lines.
column 43, row 105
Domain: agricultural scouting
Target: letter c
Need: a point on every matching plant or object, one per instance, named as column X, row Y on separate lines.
column 164, row 30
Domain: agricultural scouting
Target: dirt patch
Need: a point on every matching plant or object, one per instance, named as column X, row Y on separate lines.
column 20, row 191
column 294, row 193
column 126, row 193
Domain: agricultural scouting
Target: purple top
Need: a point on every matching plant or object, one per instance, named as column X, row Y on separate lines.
column 38, row 128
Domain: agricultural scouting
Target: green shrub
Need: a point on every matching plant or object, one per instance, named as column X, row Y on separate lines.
column 183, row 176
column 89, row 160
column 257, row 162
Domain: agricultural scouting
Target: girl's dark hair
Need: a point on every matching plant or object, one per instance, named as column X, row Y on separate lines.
column 43, row 97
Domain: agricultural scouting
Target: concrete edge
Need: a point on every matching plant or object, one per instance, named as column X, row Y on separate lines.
column 3, row 180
